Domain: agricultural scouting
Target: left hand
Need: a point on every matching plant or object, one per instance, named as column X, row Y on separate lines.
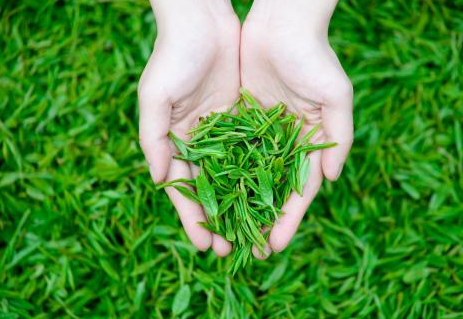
column 285, row 56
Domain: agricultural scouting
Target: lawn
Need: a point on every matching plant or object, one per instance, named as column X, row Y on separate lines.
column 84, row 234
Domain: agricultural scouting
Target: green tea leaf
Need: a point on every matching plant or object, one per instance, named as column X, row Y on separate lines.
column 249, row 98
column 302, row 174
column 227, row 202
column 206, row 194
column 278, row 169
column 250, row 161
column 230, row 230
column 265, row 186
column 188, row 193
column 181, row 145
column 292, row 138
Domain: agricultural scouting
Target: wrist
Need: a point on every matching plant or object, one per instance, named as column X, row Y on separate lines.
column 312, row 15
column 169, row 12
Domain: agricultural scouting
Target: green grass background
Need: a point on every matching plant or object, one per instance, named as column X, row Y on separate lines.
column 84, row 234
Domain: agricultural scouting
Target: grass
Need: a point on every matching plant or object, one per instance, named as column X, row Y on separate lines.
column 84, row 234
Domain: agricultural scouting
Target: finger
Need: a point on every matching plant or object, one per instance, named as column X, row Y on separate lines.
column 267, row 250
column 190, row 213
column 194, row 170
column 259, row 255
column 294, row 209
column 338, row 127
column 220, row 246
column 154, row 122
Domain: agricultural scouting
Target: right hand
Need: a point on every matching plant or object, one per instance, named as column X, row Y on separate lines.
column 193, row 70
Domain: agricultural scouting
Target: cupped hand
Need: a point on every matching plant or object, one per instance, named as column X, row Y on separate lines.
column 285, row 56
column 193, row 70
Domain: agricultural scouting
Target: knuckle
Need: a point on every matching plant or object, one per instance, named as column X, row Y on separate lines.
column 335, row 88
column 346, row 89
column 142, row 90
column 347, row 141
column 340, row 89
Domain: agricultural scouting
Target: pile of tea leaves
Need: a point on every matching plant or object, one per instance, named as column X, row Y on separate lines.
column 250, row 159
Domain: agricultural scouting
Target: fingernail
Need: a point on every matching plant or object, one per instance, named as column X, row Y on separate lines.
column 339, row 171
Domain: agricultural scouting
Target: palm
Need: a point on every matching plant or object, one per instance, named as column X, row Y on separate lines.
column 297, row 71
column 212, row 86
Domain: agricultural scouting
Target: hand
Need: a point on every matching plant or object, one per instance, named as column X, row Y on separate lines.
column 285, row 56
column 193, row 70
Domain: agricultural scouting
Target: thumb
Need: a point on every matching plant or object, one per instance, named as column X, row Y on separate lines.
column 338, row 127
column 154, row 124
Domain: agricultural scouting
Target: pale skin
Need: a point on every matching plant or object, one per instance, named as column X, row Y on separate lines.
column 200, row 60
